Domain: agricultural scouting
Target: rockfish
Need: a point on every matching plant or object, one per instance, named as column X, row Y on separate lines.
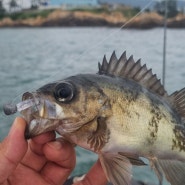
column 122, row 113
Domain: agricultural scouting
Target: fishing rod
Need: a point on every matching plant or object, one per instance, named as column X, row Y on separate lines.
column 164, row 43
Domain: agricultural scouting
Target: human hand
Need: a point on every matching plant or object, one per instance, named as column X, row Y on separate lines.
column 39, row 161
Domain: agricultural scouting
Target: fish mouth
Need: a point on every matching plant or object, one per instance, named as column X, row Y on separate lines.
column 39, row 126
column 40, row 114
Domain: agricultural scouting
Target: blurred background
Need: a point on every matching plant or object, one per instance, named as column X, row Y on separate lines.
column 46, row 40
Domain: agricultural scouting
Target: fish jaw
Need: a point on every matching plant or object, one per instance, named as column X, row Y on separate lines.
column 42, row 115
column 39, row 126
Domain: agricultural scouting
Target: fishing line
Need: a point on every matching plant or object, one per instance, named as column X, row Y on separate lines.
column 107, row 37
column 120, row 28
column 87, row 50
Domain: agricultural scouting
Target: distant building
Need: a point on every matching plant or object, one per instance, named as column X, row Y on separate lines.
column 74, row 2
column 43, row 2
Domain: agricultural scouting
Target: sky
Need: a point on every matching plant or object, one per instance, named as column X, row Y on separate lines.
column 27, row 3
column 140, row 3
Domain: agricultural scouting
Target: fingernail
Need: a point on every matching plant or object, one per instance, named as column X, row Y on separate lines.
column 57, row 145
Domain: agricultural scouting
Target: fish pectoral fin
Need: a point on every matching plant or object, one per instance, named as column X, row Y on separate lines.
column 100, row 136
column 174, row 171
column 157, row 169
column 134, row 159
column 117, row 168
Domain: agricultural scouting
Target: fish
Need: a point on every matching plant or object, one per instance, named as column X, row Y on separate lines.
column 122, row 113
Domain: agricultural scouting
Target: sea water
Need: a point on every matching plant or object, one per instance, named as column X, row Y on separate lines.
column 30, row 58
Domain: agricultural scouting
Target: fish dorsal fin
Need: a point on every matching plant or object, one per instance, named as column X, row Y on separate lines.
column 128, row 68
column 177, row 100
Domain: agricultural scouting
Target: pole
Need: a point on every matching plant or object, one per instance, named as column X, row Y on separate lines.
column 164, row 43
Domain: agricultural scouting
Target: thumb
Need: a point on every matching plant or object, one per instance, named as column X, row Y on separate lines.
column 12, row 149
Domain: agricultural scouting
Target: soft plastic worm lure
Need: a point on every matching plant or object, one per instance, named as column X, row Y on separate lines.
column 10, row 108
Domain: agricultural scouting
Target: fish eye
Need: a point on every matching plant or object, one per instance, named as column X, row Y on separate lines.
column 64, row 92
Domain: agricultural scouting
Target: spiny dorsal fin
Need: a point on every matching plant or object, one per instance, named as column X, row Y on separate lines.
column 104, row 65
column 112, row 62
column 178, row 102
column 130, row 69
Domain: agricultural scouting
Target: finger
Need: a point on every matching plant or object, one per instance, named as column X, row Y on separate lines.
column 37, row 142
column 94, row 176
column 35, row 157
column 61, row 155
column 13, row 148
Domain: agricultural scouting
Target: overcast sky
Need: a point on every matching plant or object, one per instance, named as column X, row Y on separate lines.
column 140, row 3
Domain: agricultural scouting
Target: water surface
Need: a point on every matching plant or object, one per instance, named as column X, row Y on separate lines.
column 30, row 58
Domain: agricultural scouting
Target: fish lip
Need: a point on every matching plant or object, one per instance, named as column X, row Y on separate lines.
column 39, row 126
column 27, row 134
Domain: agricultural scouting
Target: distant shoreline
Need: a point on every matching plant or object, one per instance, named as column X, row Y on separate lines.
column 58, row 18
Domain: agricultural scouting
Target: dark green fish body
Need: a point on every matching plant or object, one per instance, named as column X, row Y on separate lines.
column 122, row 113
